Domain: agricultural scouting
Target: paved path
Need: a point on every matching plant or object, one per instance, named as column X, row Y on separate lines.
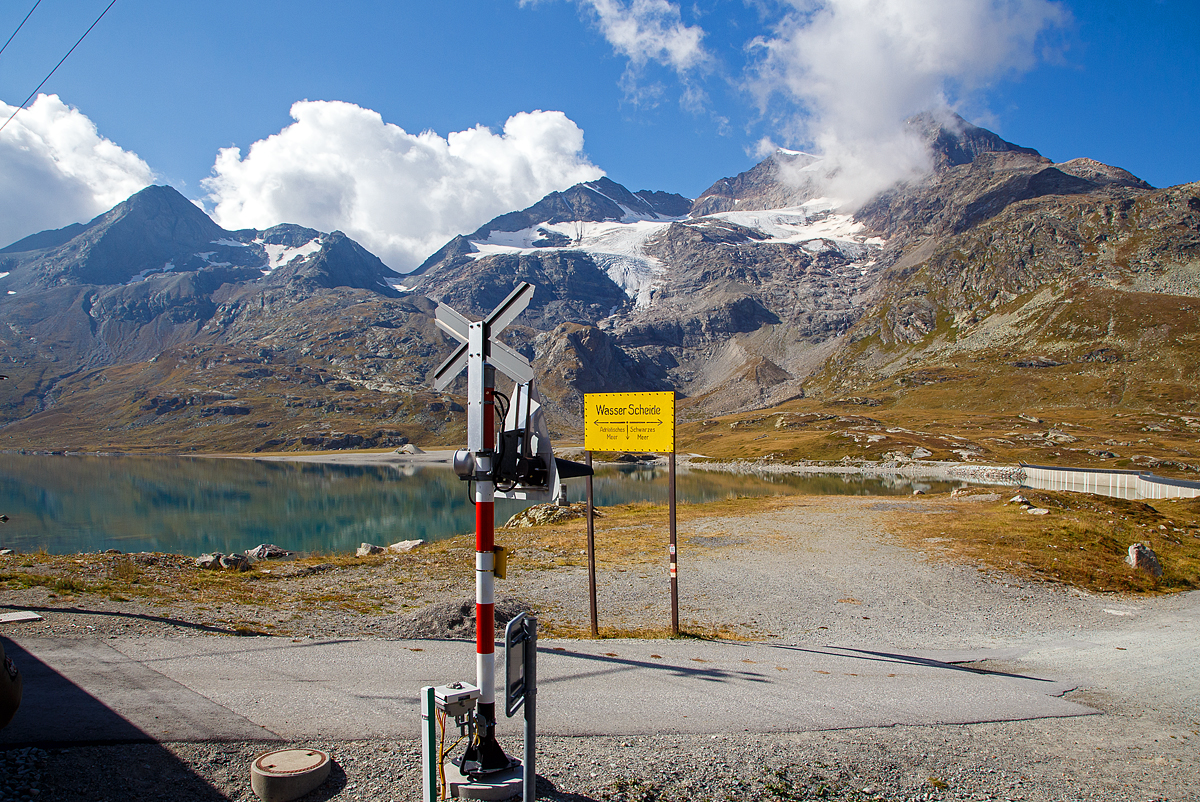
column 1140, row 659
column 203, row 688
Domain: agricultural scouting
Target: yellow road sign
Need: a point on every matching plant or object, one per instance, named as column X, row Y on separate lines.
column 629, row 422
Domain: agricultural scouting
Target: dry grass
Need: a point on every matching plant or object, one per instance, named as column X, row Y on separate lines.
column 945, row 425
column 1082, row 542
column 627, row 535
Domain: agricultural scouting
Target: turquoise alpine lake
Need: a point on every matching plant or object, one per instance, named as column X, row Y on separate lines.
column 187, row 505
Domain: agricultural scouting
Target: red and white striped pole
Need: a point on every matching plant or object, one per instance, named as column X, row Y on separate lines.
column 485, row 558
column 485, row 755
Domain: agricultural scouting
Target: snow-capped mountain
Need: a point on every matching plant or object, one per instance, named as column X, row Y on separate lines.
column 698, row 282
column 157, row 232
column 153, row 323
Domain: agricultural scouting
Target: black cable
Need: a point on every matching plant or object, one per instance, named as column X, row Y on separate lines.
column 22, row 25
column 504, row 411
column 502, row 408
column 56, row 66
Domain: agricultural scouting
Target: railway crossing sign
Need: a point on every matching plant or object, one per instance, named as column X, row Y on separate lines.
column 480, row 353
column 629, row 422
column 479, row 349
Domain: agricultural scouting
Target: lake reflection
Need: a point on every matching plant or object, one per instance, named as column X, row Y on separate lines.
column 191, row 506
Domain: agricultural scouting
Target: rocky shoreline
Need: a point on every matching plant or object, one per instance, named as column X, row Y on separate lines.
column 916, row 469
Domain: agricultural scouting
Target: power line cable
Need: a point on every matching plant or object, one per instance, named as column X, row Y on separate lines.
column 59, row 64
column 22, row 25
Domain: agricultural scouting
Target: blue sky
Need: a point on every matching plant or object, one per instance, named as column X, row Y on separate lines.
column 669, row 96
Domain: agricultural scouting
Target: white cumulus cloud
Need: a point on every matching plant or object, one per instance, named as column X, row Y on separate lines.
column 56, row 169
column 650, row 31
column 401, row 195
column 858, row 68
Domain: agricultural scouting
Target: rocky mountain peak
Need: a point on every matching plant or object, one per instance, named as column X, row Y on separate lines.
column 592, row 202
column 154, row 230
column 953, row 141
column 791, row 178
column 334, row 260
column 764, row 186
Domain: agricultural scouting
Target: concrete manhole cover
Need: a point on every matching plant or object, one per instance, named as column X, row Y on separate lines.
column 288, row 774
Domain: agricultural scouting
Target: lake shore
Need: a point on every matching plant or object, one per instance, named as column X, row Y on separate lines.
column 915, row 469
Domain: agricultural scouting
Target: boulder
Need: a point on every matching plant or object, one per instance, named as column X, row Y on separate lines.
column 1057, row 436
column 1018, row 499
column 366, row 550
column 1038, row 511
column 409, row 448
column 543, row 514
column 1142, row 558
column 405, row 545
column 209, row 561
column 268, row 551
column 921, row 453
column 235, row 562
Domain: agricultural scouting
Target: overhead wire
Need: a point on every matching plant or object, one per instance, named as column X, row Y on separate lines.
column 59, row 64
column 19, row 27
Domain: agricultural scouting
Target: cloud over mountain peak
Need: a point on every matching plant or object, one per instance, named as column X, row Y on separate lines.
column 340, row 166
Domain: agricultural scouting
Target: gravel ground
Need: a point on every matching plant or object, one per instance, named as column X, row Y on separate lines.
column 822, row 571
column 1056, row 759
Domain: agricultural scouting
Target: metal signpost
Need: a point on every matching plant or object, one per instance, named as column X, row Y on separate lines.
column 478, row 353
column 520, row 688
column 632, row 422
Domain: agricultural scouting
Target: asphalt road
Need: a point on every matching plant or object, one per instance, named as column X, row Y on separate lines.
column 204, row 688
column 237, row 689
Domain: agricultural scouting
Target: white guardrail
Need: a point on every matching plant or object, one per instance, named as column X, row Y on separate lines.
column 1136, row 485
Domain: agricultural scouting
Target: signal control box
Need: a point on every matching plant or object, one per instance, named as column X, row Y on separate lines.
column 456, row 699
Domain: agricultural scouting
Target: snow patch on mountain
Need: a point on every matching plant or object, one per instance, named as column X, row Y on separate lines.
column 152, row 271
column 207, row 258
column 616, row 247
column 816, row 226
column 280, row 255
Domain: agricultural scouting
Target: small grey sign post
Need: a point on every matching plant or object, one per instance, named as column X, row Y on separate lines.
column 520, row 688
